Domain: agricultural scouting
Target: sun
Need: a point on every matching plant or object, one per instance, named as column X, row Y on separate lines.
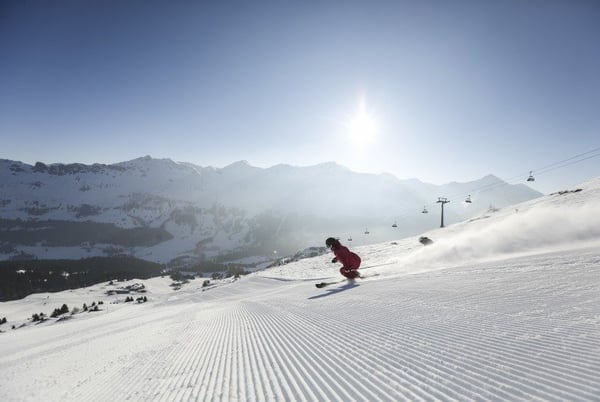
column 362, row 127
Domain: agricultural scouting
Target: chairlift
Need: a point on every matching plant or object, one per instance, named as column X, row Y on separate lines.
column 468, row 200
column 425, row 211
column 395, row 225
column 531, row 178
column 350, row 238
column 366, row 231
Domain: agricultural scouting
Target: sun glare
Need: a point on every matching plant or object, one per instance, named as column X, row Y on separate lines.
column 362, row 127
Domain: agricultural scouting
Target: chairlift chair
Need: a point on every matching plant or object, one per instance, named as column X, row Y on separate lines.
column 395, row 225
column 531, row 178
column 468, row 200
column 350, row 238
column 425, row 210
column 366, row 231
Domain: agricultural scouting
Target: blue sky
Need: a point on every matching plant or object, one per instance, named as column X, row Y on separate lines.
column 442, row 91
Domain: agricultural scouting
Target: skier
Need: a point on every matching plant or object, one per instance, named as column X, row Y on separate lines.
column 350, row 261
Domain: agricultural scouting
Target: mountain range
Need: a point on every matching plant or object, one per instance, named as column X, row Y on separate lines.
column 180, row 213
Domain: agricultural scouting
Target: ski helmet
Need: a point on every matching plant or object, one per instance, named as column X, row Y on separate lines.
column 330, row 242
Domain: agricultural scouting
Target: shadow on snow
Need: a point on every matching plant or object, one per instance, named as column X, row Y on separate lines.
column 329, row 292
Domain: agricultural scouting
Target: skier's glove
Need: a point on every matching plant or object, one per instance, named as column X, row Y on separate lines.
column 334, row 260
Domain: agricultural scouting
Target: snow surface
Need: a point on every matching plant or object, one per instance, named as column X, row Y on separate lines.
column 505, row 306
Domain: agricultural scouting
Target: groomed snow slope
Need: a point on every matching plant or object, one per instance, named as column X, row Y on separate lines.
column 506, row 307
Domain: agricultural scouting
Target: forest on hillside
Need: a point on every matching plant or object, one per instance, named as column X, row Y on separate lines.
column 21, row 278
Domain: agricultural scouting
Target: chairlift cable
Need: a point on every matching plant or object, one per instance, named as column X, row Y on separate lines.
column 513, row 180
column 568, row 159
column 567, row 164
column 542, row 170
column 517, row 179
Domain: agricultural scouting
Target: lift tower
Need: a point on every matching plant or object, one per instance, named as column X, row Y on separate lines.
column 442, row 201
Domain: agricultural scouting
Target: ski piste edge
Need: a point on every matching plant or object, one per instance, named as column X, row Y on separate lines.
column 324, row 284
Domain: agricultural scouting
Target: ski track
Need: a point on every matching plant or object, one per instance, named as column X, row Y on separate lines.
column 496, row 331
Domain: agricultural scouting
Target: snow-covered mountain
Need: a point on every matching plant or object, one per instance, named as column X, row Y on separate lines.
column 163, row 211
column 503, row 306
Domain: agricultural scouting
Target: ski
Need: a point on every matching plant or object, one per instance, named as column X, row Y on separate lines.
column 323, row 284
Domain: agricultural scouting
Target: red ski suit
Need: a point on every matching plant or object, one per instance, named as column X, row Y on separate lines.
column 350, row 261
